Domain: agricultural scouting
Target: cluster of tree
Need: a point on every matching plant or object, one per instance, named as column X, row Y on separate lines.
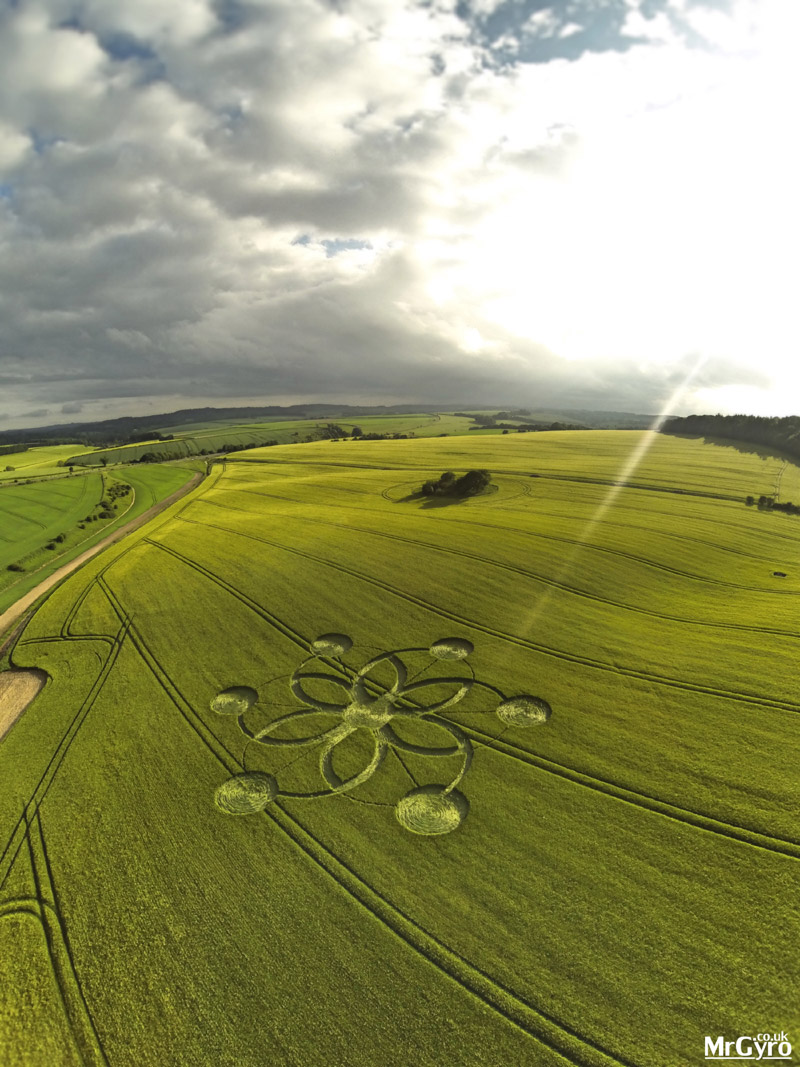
column 149, row 435
column 148, row 457
column 448, row 484
column 782, row 434
column 331, row 432
column 766, row 503
column 6, row 449
column 379, row 436
column 117, row 490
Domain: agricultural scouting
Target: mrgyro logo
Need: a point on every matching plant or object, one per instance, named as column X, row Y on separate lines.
column 750, row 1049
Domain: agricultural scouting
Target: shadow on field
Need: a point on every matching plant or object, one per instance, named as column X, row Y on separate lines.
column 428, row 502
column 747, row 448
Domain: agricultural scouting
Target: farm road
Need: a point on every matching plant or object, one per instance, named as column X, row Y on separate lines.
column 17, row 610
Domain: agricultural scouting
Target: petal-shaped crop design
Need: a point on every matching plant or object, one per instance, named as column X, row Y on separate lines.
column 338, row 784
column 462, row 746
column 463, row 687
column 263, row 736
column 360, row 689
column 302, row 693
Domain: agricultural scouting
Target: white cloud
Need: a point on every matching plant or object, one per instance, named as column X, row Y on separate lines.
column 177, row 188
column 14, row 146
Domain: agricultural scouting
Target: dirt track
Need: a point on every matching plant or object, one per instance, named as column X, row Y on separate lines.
column 17, row 610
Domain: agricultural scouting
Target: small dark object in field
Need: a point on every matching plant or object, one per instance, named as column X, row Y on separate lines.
column 778, row 574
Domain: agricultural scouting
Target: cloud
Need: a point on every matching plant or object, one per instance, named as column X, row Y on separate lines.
column 381, row 198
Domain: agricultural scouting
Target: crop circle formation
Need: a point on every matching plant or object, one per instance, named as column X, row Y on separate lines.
column 382, row 713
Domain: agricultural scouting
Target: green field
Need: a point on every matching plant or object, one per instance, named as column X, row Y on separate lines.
column 47, row 523
column 38, row 462
column 601, row 889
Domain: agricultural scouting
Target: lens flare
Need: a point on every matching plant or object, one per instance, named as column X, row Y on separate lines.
column 626, row 472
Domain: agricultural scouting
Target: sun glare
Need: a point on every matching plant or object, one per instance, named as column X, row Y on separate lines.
column 625, row 474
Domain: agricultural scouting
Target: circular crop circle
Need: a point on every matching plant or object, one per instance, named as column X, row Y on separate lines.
column 332, row 645
column 451, row 648
column 431, row 810
column 524, row 711
column 246, row 793
column 235, row 700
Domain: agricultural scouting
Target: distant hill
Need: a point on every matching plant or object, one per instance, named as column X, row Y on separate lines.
column 120, row 430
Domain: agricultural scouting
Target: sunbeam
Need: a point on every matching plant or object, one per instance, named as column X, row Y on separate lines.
column 626, row 472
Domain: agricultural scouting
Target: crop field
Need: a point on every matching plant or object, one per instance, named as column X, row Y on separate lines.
column 327, row 772
column 48, row 522
column 37, row 462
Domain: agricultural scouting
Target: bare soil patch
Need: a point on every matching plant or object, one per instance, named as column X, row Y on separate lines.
column 17, row 690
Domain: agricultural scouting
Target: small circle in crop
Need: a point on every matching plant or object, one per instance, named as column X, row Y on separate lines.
column 244, row 794
column 524, row 711
column 431, row 809
column 234, row 701
column 451, row 648
column 332, row 645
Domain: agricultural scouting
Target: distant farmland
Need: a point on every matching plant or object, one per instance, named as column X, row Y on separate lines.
column 37, row 462
column 50, row 521
column 292, row 793
column 211, row 437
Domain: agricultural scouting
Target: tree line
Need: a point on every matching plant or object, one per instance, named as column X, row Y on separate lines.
column 782, row 434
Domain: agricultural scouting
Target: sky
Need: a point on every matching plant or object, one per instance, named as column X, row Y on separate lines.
column 586, row 204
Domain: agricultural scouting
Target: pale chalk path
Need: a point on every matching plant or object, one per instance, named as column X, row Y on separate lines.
column 18, row 609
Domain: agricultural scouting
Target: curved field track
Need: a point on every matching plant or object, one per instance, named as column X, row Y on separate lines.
column 326, row 773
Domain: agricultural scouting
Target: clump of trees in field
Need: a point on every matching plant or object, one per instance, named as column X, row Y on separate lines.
column 469, row 484
column 766, row 503
column 115, row 491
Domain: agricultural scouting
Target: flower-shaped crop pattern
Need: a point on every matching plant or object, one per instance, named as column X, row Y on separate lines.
column 373, row 701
